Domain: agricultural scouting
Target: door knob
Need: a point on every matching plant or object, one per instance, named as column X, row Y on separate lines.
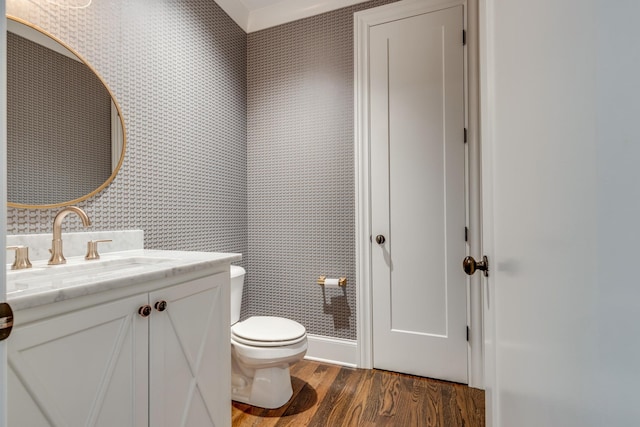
column 380, row 239
column 470, row 265
column 160, row 305
column 6, row 320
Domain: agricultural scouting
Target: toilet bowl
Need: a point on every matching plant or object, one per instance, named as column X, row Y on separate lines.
column 262, row 349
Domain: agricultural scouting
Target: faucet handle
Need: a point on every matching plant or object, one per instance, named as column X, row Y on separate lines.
column 22, row 257
column 92, row 249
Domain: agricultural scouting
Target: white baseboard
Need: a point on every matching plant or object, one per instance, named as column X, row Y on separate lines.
column 332, row 350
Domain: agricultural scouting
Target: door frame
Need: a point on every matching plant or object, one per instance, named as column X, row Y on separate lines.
column 486, row 36
column 362, row 22
column 3, row 211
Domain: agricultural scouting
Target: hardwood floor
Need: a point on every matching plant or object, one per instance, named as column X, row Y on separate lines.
column 334, row 396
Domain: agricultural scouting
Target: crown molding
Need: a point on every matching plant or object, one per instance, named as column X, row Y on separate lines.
column 237, row 11
column 280, row 12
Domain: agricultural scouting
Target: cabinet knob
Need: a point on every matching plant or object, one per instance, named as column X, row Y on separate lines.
column 161, row 305
column 145, row 310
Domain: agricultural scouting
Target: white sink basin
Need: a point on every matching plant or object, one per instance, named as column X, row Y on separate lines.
column 78, row 272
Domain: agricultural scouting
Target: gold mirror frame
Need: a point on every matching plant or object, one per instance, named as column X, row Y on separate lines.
column 120, row 116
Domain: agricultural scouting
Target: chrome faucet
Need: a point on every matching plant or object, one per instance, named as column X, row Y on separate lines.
column 56, row 245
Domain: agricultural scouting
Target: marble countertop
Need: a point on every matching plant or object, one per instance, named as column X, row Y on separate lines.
column 45, row 284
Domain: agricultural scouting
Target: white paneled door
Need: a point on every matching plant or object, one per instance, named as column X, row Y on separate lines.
column 561, row 212
column 417, row 119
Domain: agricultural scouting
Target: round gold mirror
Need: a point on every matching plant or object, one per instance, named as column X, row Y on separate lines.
column 65, row 132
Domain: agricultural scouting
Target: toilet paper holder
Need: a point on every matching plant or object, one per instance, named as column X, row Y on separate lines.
column 342, row 281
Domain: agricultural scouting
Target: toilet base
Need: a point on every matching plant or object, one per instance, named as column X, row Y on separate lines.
column 268, row 388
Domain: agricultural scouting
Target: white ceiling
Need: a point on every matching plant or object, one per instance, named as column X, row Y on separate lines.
column 257, row 4
column 254, row 15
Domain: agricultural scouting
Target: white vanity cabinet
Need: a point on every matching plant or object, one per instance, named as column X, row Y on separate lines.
column 84, row 368
column 190, row 355
column 107, row 365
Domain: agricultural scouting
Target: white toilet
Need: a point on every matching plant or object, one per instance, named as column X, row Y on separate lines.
column 262, row 348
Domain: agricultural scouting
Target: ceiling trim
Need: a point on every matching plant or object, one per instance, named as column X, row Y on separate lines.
column 280, row 12
column 237, row 11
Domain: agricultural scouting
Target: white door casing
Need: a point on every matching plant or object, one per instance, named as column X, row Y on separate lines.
column 418, row 194
column 364, row 21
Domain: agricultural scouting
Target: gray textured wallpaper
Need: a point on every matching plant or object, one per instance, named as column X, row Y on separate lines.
column 215, row 118
column 301, row 171
column 178, row 70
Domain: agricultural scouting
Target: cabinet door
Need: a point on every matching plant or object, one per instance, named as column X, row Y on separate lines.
column 190, row 355
column 84, row 368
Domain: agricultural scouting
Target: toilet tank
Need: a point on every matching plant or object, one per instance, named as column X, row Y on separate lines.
column 237, row 283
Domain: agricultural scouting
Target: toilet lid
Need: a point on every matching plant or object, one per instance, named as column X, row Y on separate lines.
column 268, row 330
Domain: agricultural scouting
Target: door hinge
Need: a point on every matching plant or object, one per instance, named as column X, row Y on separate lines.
column 468, row 333
column 465, row 135
column 464, row 37
column 466, row 234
